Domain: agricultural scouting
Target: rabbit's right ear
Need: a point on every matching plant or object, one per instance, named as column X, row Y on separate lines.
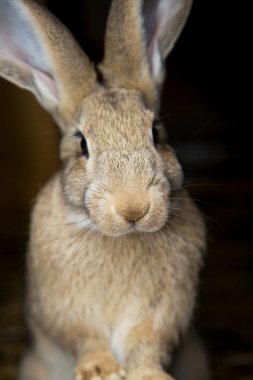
column 139, row 36
column 39, row 54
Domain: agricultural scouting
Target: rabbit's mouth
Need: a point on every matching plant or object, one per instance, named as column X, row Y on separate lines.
column 116, row 213
column 123, row 211
column 123, row 227
column 118, row 228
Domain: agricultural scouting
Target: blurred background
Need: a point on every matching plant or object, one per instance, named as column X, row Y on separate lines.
column 204, row 110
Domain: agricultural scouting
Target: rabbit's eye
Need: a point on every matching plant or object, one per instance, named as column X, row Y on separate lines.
column 84, row 147
column 155, row 133
column 83, row 143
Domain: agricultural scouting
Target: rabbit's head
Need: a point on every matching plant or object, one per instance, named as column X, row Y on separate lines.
column 117, row 175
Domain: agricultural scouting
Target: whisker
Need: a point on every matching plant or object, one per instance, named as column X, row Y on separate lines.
column 164, row 116
column 85, row 219
column 189, row 184
column 197, row 200
column 201, row 201
column 208, row 122
column 206, row 217
column 79, row 236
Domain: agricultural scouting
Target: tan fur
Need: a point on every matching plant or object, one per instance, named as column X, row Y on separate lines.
column 73, row 73
column 119, row 50
column 115, row 66
column 116, row 243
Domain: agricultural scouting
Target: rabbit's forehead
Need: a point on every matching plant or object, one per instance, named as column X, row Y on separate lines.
column 114, row 117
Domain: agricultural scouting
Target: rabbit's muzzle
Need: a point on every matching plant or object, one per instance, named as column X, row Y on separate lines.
column 133, row 208
column 134, row 199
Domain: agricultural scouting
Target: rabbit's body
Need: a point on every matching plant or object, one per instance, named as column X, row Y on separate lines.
column 116, row 243
column 109, row 285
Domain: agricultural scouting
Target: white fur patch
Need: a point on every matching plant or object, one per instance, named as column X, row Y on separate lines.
column 80, row 221
column 59, row 364
column 157, row 65
column 120, row 334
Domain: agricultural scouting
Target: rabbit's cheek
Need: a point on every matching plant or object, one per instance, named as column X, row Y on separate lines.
column 74, row 184
column 80, row 220
column 171, row 167
column 158, row 213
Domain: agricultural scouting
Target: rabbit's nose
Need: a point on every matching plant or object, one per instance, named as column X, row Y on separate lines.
column 131, row 208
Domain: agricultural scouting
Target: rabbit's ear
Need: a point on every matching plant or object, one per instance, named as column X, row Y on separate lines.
column 139, row 36
column 39, row 54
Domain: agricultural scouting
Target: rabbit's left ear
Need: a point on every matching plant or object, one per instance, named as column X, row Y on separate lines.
column 39, row 54
column 139, row 36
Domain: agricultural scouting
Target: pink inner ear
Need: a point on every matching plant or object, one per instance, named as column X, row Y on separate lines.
column 45, row 82
column 28, row 55
column 156, row 17
column 153, row 53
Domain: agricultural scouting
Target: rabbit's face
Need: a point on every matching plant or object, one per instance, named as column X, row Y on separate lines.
column 116, row 180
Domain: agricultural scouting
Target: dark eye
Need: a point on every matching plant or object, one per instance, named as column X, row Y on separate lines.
column 84, row 147
column 155, row 133
column 83, row 143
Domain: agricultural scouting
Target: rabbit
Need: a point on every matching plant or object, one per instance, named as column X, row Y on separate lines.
column 116, row 243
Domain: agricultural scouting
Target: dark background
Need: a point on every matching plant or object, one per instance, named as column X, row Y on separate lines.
column 204, row 109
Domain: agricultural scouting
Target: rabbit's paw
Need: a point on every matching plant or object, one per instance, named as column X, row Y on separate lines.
column 99, row 373
column 138, row 374
column 99, row 368
column 159, row 376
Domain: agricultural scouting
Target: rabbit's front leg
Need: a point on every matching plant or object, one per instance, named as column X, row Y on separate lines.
column 99, row 364
column 145, row 352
